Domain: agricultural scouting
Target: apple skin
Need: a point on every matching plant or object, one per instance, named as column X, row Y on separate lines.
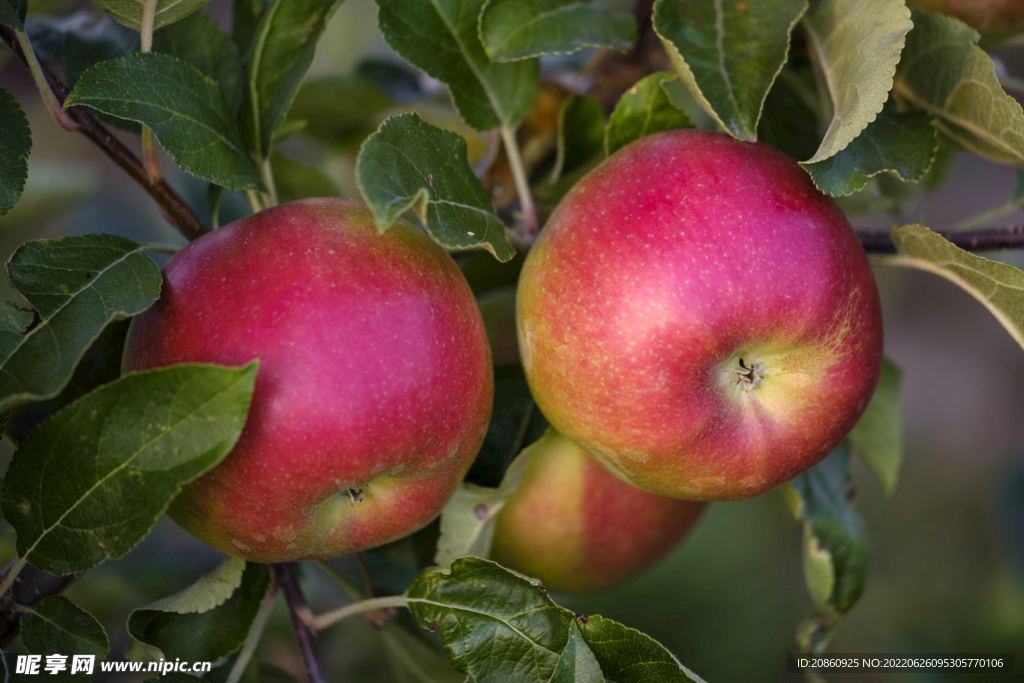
column 989, row 17
column 375, row 377
column 681, row 260
column 578, row 528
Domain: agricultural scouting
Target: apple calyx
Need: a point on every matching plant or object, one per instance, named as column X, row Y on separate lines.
column 748, row 376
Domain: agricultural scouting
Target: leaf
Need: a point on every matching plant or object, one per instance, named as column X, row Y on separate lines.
column 414, row 654
column 857, row 44
column 790, row 118
column 998, row 286
column 441, row 37
column 208, row 620
column 877, row 437
column 199, row 41
column 902, row 145
column 629, row 656
column 495, row 624
column 945, row 74
column 580, row 135
column 56, row 625
column 339, row 109
column 245, row 19
column 577, row 664
column 185, row 109
column 642, row 110
column 468, row 519
column 12, row 13
column 15, row 144
column 410, row 164
column 90, row 482
column 832, row 527
column 728, row 53
column 394, row 79
column 296, row 180
column 129, row 12
column 517, row 29
column 282, row 51
column 78, row 285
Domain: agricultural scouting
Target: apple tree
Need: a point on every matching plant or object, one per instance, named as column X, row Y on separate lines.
column 305, row 382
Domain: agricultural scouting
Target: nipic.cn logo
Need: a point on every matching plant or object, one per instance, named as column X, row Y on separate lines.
column 85, row 664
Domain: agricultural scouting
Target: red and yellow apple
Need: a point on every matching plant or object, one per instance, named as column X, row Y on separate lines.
column 700, row 318
column 374, row 387
column 579, row 529
column 990, row 17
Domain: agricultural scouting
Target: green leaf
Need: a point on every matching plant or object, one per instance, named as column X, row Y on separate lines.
column 998, row 286
column 468, row 519
column 629, row 656
column 245, row 20
column 282, row 51
column 410, row 164
column 129, row 12
column 56, row 625
column 200, row 41
column 208, row 620
column 78, row 285
column 856, row 45
column 833, row 528
column 15, row 144
column 877, row 436
column 185, row 109
column 495, row 624
column 394, row 79
column 728, row 53
column 945, row 74
column 902, row 145
column 580, row 135
column 789, row 121
column 12, row 13
column 90, row 482
column 642, row 110
column 340, row 109
column 517, row 29
column 441, row 38
column 296, row 180
column 577, row 664
column 413, row 653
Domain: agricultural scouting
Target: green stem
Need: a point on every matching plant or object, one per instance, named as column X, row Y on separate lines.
column 13, row 574
column 515, row 161
column 255, row 633
column 148, row 140
column 52, row 103
column 254, row 200
column 268, row 180
column 322, row 621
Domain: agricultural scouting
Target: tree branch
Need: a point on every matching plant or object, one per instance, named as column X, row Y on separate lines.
column 177, row 211
column 300, row 613
column 982, row 239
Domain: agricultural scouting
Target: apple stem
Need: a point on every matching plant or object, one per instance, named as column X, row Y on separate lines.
column 515, row 162
column 299, row 610
column 255, row 634
column 177, row 209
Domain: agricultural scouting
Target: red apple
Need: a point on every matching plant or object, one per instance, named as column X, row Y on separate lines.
column 990, row 17
column 577, row 528
column 374, row 387
column 700, row 318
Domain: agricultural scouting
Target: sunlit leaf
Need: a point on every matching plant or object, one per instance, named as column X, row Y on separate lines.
column 878, row 435
column 129, row 12
column 642, row 110
column 516, row 29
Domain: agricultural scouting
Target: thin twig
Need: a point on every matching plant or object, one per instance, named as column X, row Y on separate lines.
column 299, row 610
column 983, row 239
column 177, row 211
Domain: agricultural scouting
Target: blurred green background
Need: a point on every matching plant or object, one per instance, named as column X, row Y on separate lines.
column 948, row 573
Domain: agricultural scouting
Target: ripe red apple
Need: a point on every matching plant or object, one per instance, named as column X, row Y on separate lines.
column 700, row 318
column 374, row 388
column 577, row 528
column 990, row 17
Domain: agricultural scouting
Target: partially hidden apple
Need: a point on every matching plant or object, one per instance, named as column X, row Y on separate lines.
column 990, row 17
column 578, row 528
column 374, row 388
column 700, row 318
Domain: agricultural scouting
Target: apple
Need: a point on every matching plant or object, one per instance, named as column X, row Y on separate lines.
column 579, row 529
column 989, row 17
column 700, row 318
column 374, row 387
